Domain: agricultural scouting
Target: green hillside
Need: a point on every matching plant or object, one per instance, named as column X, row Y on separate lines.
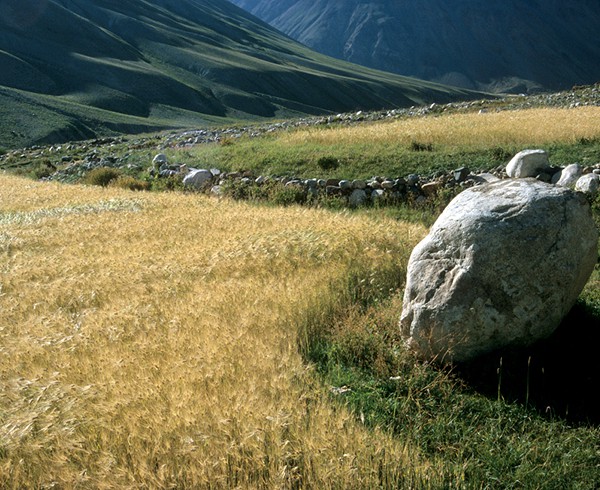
column 75, row 69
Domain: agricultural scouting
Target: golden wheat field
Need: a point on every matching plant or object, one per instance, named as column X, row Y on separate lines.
column 524, row 127
column 152, row 341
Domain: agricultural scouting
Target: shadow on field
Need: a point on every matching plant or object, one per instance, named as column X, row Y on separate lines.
column 558, row 376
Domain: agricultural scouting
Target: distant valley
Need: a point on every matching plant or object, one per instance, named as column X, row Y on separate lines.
column 491, row 45
column 77, row 69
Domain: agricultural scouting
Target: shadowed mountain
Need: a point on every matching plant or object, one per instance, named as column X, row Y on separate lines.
column 497, row 45
column 79, row 68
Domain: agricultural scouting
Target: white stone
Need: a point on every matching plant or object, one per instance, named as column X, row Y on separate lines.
column 568, row 176
column 345, row 184
column 588, row 184
column 197, row 178
column 501, row 266
column 527, row 163
column 159, row 159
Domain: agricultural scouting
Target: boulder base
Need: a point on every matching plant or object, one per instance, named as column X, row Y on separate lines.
column 502, row 266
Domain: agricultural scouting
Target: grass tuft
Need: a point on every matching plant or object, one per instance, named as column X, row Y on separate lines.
column 102, row 176
column 130, row 183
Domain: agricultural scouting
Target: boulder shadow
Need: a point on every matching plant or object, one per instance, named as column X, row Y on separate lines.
column 558, row 376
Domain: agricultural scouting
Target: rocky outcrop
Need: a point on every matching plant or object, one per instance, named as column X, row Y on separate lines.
column 378, row 189
column 501, row 266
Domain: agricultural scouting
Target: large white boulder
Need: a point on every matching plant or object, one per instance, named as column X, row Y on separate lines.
column 501, row 266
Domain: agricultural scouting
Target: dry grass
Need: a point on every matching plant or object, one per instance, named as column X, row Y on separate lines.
column 151, row 341
column 524, row 127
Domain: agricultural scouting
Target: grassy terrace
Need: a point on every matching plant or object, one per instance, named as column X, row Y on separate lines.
column 170, row 340
column 417, row 144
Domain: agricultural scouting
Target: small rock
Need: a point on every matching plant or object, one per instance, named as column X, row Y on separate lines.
column 413, row 179
column 431, row 188
column 568, row 176
column 588, row 184
column 357, row 198
column 527, row 163
column 159, row 159
column 359, row 184
column 460, row 174
column 345, row 185
column 377, row 194
column 197, row 178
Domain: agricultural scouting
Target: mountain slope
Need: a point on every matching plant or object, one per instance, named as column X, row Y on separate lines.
column 511, row 45
column 84, row 67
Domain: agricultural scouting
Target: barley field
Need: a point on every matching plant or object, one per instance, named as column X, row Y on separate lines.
column 155, row 340
column 485, row 129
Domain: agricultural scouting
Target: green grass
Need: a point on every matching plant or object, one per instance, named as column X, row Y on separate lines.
column 412, row 145
column 514, row 419
column 269, row 156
